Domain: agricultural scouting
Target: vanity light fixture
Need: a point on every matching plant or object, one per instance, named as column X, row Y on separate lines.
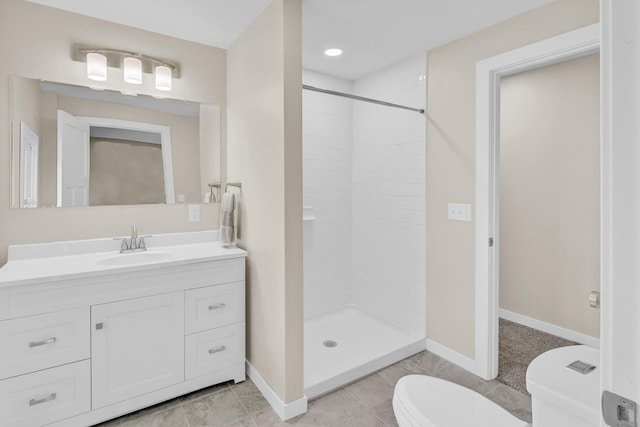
column 132, row 70
column 97, row 67
column 163, row 77
column 133, row 65
column 333, row 52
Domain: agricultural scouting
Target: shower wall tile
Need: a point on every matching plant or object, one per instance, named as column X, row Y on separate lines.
column 327, row 166
column 364, row 176
column 389, row 220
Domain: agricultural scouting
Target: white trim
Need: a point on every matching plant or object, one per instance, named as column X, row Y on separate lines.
column 549, row 328
column 451, row 355
column 165, row 138
column 574, row 44
column 606, row 191
column 620, row 224
column 285, row 411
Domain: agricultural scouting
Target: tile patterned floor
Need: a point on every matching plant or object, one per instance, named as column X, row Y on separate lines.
column 366, row 403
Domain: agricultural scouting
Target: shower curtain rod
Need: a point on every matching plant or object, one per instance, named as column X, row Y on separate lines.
column 361, row 98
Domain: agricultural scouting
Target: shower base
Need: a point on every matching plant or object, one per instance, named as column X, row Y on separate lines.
column 343, row 345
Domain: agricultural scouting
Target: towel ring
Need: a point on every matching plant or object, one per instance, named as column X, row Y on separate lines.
column 233, row 184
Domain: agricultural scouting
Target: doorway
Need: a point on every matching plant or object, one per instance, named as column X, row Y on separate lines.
column 572, row 45
column 78, row 136
column 549, row 212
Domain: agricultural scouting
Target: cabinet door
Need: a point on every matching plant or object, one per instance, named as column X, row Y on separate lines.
column 137, row 347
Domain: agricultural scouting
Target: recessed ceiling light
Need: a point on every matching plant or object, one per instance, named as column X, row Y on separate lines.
column 333, row 52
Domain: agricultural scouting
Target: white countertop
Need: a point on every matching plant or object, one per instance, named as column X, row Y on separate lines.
column 29, row 264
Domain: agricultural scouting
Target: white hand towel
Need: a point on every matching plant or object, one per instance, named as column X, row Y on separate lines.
column 227, row 223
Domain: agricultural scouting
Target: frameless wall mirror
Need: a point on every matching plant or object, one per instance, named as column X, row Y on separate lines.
column 76, row 146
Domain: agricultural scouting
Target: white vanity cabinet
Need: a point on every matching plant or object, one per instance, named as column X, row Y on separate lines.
column 81, row 348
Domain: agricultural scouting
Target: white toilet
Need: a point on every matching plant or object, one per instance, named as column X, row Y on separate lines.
column 560, row 397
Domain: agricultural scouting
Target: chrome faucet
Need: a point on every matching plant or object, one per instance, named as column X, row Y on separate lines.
column 133, row 243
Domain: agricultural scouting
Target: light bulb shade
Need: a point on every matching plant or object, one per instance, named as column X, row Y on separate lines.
column 163, row 77
column 132, row 70
column 96, row 67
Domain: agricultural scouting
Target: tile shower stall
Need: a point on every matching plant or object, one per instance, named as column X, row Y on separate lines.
column 364, row 224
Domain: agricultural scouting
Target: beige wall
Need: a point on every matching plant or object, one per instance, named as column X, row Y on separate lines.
column 451, row 160
column 36, row 42
column 125, row 172
column 549, row 193
column 264, row 153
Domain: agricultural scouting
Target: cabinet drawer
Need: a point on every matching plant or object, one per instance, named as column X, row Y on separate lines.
column 38, row 342
column 214, row 306
column 46, row 396
column 210, row 351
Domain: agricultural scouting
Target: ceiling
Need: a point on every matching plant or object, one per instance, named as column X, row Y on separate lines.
column 211, row 22
column 377, row 33
column 372, row 33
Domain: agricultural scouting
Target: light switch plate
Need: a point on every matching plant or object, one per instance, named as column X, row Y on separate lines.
column 459, row 211
column 194, row 213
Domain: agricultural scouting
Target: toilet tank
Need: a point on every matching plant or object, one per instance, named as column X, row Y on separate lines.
column 561, row 396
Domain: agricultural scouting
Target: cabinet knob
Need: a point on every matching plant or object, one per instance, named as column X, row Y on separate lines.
column 99, row 326
column 217, row 306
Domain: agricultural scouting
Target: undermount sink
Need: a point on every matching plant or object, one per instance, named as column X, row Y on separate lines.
column 134, row 258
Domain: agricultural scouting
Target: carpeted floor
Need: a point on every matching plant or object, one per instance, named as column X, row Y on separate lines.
column 519, row 345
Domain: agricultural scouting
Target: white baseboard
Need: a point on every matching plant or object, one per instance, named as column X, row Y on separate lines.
column 451, row 355
column 549, row 328
column 285, row 411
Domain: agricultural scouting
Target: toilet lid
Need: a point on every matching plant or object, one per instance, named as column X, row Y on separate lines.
column 549, row 379
column 430, row 401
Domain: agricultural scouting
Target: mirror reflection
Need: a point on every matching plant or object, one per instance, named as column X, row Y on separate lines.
column 76, row 146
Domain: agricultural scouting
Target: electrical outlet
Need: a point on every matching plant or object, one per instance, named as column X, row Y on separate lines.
column 459, row 211
column 181, row 198
column 194, row 213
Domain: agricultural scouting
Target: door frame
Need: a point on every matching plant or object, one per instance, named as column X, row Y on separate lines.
column 567, row 46
column 620, row 85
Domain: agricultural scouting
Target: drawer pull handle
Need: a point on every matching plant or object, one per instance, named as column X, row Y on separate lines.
column 217, row 306
column 217, row 350
column 49, row 398
column 43, row 342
